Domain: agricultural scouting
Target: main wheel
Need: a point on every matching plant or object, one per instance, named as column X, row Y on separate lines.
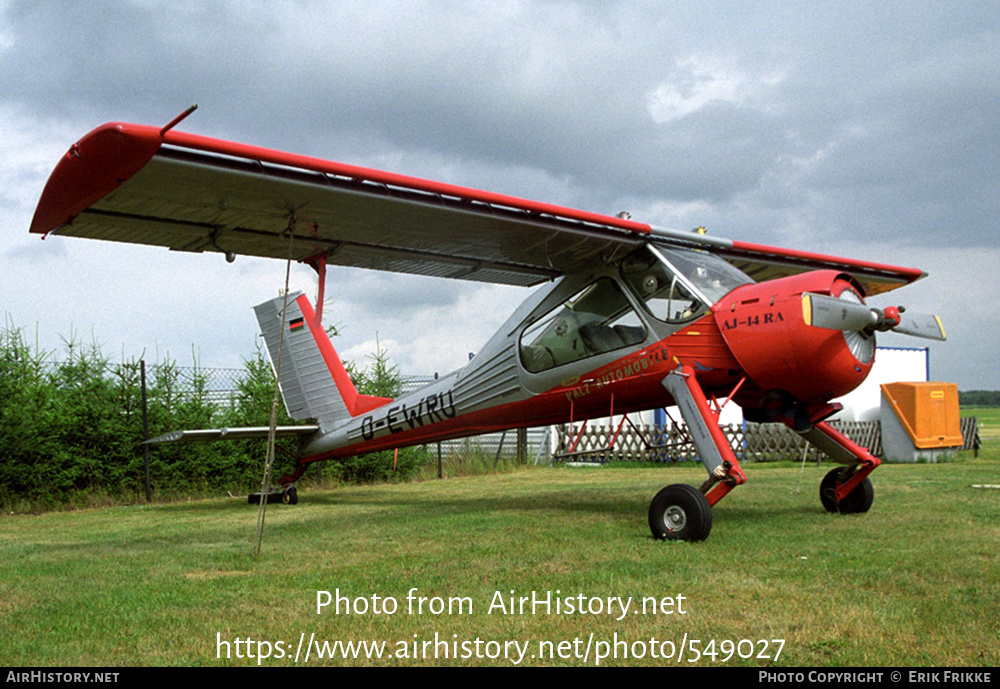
column 680, row 513
column 290, row 496
column 857, row 501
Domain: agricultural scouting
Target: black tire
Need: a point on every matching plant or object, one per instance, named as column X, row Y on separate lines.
column 680, row 513
column 857, row 501
column 290, row 496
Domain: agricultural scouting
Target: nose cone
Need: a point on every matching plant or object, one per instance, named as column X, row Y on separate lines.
column 764, row 327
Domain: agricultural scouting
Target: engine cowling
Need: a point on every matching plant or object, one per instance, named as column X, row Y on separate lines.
column 764, row 327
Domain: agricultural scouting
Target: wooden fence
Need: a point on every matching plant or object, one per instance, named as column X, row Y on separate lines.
column 750, row 442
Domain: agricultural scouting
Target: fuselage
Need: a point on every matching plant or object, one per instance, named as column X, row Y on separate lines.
column 600, row 344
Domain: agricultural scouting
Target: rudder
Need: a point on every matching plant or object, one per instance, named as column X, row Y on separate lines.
column 313, row 381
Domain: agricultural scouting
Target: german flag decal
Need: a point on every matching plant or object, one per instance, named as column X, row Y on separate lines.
column 297, row 324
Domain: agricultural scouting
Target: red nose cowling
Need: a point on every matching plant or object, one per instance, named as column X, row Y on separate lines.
column 764, row 327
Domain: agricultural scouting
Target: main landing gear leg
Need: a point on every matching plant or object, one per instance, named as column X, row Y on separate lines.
column 681, row 512
column 846, row 489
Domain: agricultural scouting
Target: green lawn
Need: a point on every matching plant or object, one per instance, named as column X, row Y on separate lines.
column 911, row 583
column 989, row 421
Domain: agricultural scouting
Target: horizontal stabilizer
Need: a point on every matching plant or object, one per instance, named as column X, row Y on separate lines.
column 232, row 434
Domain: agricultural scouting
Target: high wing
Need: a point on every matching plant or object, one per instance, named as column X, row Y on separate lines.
column 157, row 186
column 764, row 263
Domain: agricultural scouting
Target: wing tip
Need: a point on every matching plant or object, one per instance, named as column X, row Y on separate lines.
column 91, row 169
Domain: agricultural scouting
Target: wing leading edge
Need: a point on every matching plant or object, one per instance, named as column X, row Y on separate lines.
column 146, row 185
column 133, row 183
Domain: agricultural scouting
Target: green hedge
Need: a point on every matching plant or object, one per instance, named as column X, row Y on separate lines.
column 73, row 426
column 979, row 398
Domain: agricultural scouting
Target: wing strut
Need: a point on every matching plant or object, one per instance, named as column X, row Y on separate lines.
column 318, row 263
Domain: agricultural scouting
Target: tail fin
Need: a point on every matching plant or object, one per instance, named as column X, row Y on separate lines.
column 313, row 381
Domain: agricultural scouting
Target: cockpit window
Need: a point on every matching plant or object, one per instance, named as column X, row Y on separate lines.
column 596, row 320
column 679, row 285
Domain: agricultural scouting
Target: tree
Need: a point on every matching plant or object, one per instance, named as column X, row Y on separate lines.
column 381, row 379
column 980, row 398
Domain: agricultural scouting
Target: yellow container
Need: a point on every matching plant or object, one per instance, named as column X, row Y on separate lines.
column 927, row 411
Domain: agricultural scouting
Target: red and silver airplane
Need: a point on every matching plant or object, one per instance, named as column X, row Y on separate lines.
column 627, row 316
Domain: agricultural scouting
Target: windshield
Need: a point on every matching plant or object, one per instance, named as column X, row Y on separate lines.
column 679, row 285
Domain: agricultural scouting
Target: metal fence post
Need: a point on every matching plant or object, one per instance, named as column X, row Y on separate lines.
column 145, row 430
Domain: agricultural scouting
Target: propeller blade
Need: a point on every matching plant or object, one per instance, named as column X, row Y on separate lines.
column 920, row 325
column 822, row 311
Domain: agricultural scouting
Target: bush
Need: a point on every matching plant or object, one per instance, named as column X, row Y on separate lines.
column 381, row 379
column 73, row 427
column 979, row 398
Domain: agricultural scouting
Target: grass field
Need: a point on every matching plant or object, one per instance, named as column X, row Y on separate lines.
column 989, row 421
column 911, row 583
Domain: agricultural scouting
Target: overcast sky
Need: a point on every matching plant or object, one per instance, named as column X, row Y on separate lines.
column 866, row 129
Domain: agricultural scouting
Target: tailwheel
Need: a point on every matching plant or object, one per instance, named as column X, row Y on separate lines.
column 857, row 501
column 680, row 513
column 286, row 496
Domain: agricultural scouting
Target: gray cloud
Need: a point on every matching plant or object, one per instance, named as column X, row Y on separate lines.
column 832, row 124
